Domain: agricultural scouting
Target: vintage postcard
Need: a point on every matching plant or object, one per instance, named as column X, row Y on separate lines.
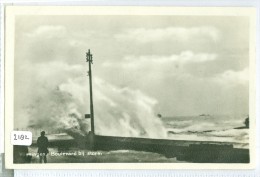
column 129, row 87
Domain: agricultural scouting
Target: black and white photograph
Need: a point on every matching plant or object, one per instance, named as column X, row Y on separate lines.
column 133, row 87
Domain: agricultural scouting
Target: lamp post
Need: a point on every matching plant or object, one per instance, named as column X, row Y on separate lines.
column 91, row 116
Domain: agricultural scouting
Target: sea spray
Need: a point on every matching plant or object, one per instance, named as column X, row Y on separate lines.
column 126, row 112
column 61, row 105
column 118, row 111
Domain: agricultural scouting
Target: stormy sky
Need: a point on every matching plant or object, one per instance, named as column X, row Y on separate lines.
column 188, row 65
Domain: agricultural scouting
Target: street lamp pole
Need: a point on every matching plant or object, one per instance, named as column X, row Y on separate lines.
column 90, row 61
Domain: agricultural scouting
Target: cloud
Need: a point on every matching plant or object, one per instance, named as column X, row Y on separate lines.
column 231, row 77
column 143, row 35
column 48, row 43
column 183, row 58
column 48, row 31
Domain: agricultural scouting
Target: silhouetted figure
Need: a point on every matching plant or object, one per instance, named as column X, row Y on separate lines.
column 247, row 122
column 42, row 143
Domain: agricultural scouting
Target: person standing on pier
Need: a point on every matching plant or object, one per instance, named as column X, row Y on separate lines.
column 42, row 143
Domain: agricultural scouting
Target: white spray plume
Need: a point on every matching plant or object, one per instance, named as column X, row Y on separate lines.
column 62, row 104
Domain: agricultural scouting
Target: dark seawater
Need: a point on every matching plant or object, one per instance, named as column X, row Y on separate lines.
column 208, row 128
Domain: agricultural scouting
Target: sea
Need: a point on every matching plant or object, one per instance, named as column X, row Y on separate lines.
column 221, row 128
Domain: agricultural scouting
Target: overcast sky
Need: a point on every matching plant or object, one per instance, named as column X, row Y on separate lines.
column 188, row 65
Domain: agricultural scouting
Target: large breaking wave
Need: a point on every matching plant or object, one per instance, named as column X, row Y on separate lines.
column 61, row 105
